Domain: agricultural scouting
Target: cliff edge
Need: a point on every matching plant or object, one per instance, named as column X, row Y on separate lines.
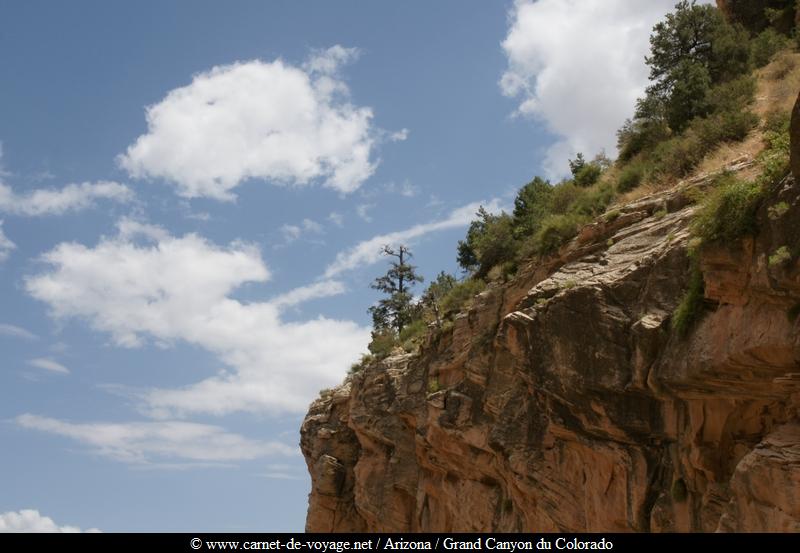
column 564, row 400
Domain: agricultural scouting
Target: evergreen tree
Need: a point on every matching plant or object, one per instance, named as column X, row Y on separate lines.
column 531, row 206
column 489, row 241
column 397, row 309
column 693, row 52
column 577, row 164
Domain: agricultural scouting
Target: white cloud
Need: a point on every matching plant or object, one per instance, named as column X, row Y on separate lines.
column 362, row 210
column 48, row 365
column 173, row 289
column 578, row 65
column 327, row 62
column 399, row 136
column 6, row 245
column 323, row 289
column 264, row 120
column 336, row 218
column 370, row 251
column 54, row 201
column 293, row 232
column 146, row 442
column 405, row 189
column 16, row 332
column 3, row 172
column 130, row 228
column 408, row 190
column 30, row 521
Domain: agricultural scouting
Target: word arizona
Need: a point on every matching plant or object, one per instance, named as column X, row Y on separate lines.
column 400, row 543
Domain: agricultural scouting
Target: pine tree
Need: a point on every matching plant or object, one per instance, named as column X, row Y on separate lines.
column 397, row 309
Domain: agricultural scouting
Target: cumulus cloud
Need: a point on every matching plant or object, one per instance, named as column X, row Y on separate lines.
column 144, row 283
column 31, row 521
column 264, row 120
column 578, row 66
column 370, row 251
column 16, row 332
column 6, row 245
column 146, row 442
column 57, row 201
column 48, row 365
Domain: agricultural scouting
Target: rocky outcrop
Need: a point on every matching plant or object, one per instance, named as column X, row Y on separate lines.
column 564, row 401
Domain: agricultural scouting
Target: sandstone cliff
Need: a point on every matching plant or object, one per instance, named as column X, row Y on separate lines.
column 563, row 400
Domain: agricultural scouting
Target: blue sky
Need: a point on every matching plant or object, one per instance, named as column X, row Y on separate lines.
column 193, row 196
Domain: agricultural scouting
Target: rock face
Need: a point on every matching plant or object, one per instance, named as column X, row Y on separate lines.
column 564, row 401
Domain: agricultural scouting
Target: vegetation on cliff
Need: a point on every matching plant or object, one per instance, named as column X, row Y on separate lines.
column 705, row 70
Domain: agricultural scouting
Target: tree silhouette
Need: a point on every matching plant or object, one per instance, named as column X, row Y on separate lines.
column 397, row 309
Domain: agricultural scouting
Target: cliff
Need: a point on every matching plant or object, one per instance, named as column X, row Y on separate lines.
column 563, row 400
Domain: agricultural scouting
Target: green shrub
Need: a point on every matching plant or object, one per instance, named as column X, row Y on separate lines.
column 382, row 344
column 411, row 334
column 729, row 211
column 781, row 256
column 726, row 126
column 588, row 175
column 764, row 46
column 733, row 95
column 555, row 231
column 496, row 245
column 530, row 206
column 365, row 360
column 585, row 173
column 631, row 176
column 640, row 135
column 782, row 67
column 490, row 241
column 774, row 160
column 777, row 121
column 593, row 201
column 691, row 306
column 502, row 272
column 461, row 294
column 778, row 210
column 564, row 195
column 678, row 156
